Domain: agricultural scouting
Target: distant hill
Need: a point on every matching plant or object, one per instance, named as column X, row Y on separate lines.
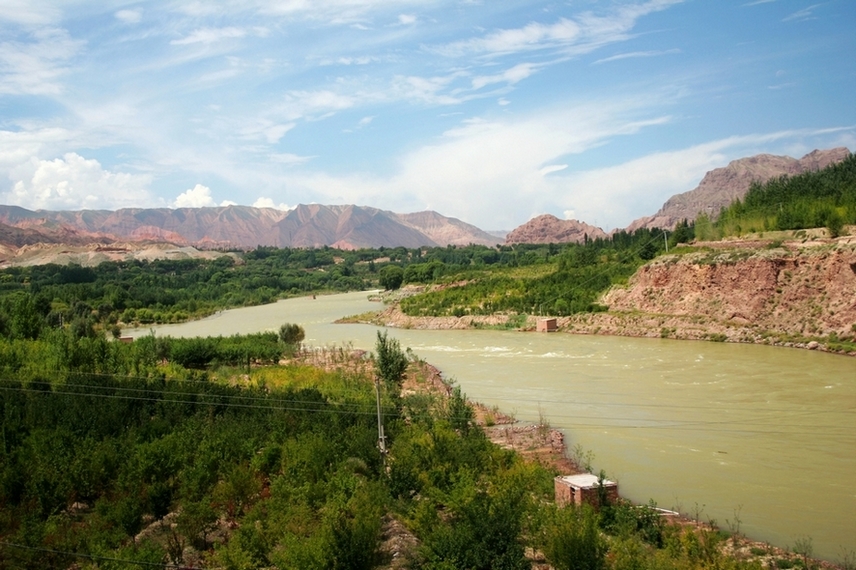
column 721, row 186
column 550, row 229
column 314, row 225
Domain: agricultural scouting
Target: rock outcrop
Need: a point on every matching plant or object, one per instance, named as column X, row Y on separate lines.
column 550, row 229
column 721, row 186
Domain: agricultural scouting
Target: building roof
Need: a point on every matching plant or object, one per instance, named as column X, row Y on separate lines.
column 586, row 481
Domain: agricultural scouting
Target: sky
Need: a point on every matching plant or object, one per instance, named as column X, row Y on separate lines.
column 488, row 111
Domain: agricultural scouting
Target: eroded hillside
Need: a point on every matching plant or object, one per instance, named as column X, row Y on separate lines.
column 794, row 294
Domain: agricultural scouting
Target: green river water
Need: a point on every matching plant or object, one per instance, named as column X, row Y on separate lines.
column 764, row 433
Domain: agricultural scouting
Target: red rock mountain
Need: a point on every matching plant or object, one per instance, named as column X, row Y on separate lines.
column 313, row 225
column 721, row 186
column 550, row 229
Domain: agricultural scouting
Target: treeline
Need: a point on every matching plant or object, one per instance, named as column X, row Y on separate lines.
column 824, row 198
column 569, row 279
column 103, row 471
column 90, row 299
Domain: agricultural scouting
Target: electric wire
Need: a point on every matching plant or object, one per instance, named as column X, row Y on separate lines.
column 369, row 409
column 96, row 557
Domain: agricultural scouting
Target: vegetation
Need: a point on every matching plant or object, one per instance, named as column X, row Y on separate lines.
column 147, row 452
column 569, row 279
column 825, row 198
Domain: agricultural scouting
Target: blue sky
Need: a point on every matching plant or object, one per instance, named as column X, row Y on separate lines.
column 491, row 112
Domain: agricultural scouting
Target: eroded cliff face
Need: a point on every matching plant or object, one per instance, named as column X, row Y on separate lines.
column 747, row 295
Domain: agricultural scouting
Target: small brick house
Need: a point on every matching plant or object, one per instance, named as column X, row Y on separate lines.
column 584, row 488
column 546, row 325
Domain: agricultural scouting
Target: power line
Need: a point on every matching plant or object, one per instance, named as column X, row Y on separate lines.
column 571, row 421
column 97, row 558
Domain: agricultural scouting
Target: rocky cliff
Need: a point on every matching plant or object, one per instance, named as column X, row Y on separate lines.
column 550, row 229
column 721, row 186
column 795, row 295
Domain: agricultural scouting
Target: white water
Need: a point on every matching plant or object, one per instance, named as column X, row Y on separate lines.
column 693, row 425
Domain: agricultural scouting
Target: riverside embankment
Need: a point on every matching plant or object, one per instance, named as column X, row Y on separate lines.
column 794, row 294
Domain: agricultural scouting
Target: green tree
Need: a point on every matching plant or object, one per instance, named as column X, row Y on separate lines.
column 571, row 540
column 291, row 335
column 390, row 361
column 391, row 277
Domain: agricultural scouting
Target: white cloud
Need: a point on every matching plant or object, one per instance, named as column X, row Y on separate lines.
column 312, row 104
column 510, row 76
column 406, row 19
column 17, row 147
column 35, row 67
column 635, row 54
column 30, row 12
column 499, row 173
column 210, row 36
column 289, row 159
column 129, row 16
column 585, row 33
column 552, row 168
column 266, row 130
column 806, row 13
column 268, row 203
column 197, row 197
column 73, row 182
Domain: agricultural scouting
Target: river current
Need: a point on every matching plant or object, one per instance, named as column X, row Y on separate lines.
column 763, row 436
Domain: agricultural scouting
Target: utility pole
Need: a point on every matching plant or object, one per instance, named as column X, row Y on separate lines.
column 381, row 438
column 666, row 241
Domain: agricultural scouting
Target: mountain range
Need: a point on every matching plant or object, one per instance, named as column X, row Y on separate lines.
column 721, row 186
column 353, row 227
column 244, row 227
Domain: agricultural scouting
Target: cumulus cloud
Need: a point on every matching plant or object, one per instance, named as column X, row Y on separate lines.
column 73, row 182
column 197, row 197
column 268, row 203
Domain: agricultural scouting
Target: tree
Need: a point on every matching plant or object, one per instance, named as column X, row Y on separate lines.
column 391, row 362
column 391, row 277
column 291, row 334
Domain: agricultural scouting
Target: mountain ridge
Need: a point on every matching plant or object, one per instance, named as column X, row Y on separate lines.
column 247, row 227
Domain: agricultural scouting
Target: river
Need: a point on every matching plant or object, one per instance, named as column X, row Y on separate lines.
column 763, row 435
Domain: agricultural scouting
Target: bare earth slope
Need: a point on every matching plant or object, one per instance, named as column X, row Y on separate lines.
column 789, row 295
column 721, row 186
column 550, row 229
column 448, row 231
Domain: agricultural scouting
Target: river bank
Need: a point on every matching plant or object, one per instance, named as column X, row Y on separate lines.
column 797, row 295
